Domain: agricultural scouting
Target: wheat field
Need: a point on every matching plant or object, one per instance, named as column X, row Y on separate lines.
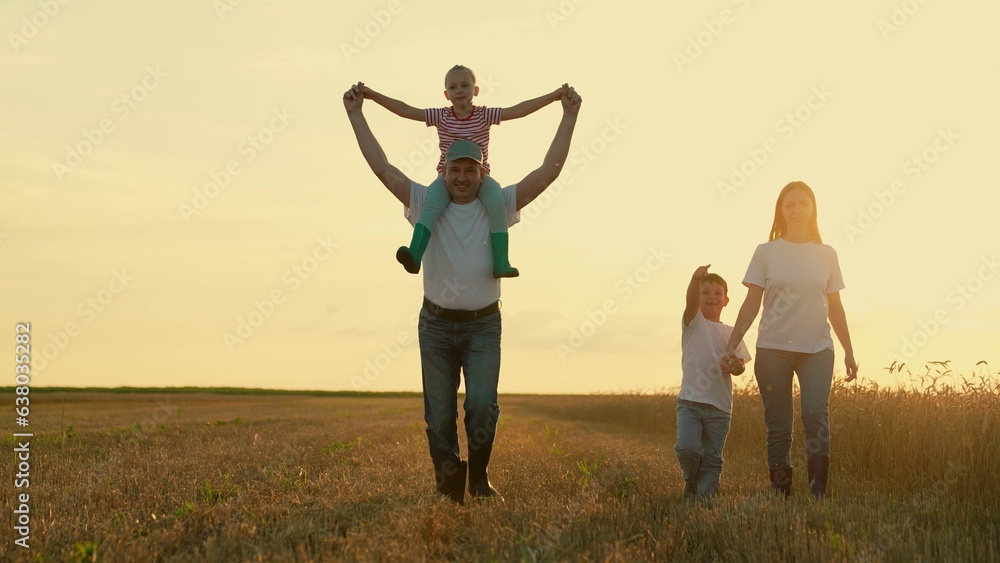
column 239, row 476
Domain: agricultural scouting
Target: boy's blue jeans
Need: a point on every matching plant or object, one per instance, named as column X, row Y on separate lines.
column 472, row 347
column 701, row 434
column 774, row 369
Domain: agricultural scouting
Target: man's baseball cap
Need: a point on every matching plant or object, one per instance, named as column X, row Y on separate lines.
column 464, row 149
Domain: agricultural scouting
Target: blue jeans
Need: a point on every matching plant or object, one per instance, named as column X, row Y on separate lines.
column 774, row 369
column 446, row 347
column 701, row 434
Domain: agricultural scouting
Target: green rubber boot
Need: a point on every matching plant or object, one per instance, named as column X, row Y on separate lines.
column 410, row 257
column 501, row 264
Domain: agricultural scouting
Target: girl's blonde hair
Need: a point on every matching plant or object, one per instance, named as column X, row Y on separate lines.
column 460, row 67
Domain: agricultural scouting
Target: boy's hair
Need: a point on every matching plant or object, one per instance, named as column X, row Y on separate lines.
column 716, row 278
column 462, row 67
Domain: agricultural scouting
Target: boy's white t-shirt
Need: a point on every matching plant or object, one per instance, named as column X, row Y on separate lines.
column 703, row 343
column 796, row 279
column 458, row 263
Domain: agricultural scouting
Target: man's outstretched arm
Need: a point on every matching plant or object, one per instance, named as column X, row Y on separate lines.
column 537, row 180
column 396, row 181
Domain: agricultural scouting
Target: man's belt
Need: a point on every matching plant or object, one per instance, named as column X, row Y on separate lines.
column 460, row 315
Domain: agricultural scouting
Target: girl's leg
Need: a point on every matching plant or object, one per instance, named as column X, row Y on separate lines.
column 437, row 200
column 491, row 195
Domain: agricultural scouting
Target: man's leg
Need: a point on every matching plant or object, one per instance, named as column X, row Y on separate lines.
column 688, row 446
column 440, row 363
column 773, row 370
column 481, row 364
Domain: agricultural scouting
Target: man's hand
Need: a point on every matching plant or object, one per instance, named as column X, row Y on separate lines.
column 571, row 100
column 354, row 97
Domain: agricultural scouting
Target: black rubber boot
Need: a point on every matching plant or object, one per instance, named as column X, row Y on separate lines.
column 781, row 481
column 451, row 480
column 819, row 470
column 479, row 481
column 411, row 256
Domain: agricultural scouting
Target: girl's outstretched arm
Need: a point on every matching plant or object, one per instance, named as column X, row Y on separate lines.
column 397, row 107
column 528, row 107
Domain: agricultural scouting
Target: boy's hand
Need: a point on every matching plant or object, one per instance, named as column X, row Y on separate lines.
column 701, row 272
column 729, row 362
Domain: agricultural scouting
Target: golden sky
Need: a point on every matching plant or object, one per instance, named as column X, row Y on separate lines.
column 182, row 201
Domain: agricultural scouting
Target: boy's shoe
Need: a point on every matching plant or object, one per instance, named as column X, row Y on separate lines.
column 411, row 256
column 690, row 490
column 501, row 263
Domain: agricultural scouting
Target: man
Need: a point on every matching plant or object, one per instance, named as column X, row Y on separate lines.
column 459, row 327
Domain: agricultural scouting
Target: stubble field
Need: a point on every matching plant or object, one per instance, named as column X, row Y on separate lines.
column 295, row 477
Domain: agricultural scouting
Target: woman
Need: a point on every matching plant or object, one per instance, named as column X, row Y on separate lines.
column 798, row 278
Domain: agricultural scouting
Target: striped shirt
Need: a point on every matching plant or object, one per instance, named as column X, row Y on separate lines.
column 476, row 128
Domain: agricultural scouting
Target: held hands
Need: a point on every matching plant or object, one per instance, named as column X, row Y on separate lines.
column 731, row 364
column 354, row 97
column 558, row 93
column 570, row 99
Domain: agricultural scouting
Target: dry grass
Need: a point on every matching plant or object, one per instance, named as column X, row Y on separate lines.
column 291, row 478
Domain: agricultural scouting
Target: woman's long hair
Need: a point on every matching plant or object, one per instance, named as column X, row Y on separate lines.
column 779, row 228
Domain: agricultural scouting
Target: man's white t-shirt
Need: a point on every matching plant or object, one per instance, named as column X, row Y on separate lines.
column 458, row 262
column 703, row 343
column 796, row 279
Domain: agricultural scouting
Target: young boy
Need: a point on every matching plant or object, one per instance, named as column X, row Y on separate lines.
column 705, row 403
column 462, row 120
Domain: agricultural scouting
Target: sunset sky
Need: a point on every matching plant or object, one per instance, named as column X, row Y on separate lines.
column 183, row 202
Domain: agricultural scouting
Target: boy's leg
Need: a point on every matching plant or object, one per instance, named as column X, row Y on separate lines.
column 491, row 195
column 688, row 447
column 437, row 200
column 716, row 428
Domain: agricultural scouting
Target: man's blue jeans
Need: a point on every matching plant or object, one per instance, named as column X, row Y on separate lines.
column 774, row 369
column 701, row 435
column 446, row 347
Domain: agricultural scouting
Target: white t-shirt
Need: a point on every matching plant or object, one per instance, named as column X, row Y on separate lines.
column 703, row 343
column 796, row 279
column 458, row 263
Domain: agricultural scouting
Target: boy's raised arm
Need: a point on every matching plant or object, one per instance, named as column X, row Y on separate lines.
column 693, row 296
column 528, row 107
column 397, row 107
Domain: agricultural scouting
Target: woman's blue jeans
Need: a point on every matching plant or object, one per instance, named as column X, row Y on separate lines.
column 774, row 370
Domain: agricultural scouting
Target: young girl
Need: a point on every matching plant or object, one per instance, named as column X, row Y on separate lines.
column 462, row 120
column 799, row 280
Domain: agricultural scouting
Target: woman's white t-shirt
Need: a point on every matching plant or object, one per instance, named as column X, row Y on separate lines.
column 796, row 279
